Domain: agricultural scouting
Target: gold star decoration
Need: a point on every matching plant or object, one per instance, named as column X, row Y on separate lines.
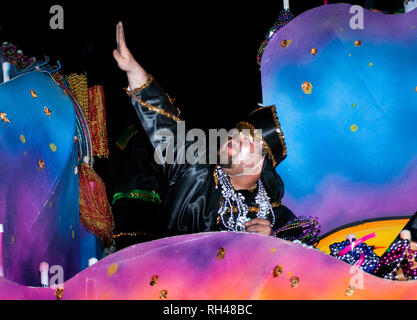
column 154, row 280
column 278, row 270
column 41, row 164
column 221, row 253
column 294, row 281
column 285, row 43
column 3, row 117
column 47, row 111
column 59, row 293
column 163, row 294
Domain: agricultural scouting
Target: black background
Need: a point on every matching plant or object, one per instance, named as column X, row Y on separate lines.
column 202, row 52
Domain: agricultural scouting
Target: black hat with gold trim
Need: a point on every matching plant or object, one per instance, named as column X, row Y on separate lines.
column 265, row 119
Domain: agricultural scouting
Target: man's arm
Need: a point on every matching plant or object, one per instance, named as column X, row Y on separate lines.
column 153, row 106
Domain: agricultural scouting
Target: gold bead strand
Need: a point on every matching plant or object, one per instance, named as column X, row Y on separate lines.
column 79, row 87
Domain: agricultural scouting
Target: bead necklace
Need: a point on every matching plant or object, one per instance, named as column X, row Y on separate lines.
column 233, row 199
column 370, row 259
column 399, row 255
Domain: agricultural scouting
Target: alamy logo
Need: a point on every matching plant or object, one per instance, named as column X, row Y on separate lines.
column 57, row 277
column 57, row 20
column 56, row 281
column 180, row 147
column 357, row 21
column 357, row 280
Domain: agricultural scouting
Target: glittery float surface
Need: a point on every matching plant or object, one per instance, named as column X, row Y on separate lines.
column 39, row 193
column 185, row 271
column 352, row 143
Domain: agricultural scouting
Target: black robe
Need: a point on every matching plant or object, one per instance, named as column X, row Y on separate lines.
column 191, row 197
column 135, row 189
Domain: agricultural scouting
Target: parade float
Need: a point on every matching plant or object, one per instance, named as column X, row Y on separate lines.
column 347, row 102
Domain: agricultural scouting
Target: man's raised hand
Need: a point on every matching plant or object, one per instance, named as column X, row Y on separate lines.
column 137, row 76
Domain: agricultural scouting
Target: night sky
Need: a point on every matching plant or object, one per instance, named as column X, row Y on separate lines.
column 203, row 52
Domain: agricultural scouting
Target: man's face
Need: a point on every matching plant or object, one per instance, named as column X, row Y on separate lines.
column 243, row 154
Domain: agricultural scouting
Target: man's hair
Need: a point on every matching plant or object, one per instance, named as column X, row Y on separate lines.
column 254, row 135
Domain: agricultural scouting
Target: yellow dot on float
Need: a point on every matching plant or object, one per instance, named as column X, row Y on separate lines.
column 53, row 147
column 73, row 234
column 350, row 54
column 307, row 87
column 12, row 239
column 412, row 27
column 371, row 64
column 273, row 250
column 112, row 269
column 22, row 138
column 353, row 105
column 25, row 153
column 354, row 128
